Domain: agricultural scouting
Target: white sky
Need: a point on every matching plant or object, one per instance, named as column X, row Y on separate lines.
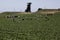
column 20, row 5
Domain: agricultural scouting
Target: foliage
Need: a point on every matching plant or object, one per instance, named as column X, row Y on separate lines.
column 33, row 27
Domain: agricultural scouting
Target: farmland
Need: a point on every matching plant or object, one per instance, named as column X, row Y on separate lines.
column 30, row 27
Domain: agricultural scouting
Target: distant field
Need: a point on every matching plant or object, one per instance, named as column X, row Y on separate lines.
column 30, row 27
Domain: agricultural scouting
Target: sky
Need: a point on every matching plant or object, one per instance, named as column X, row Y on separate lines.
column 20, row 5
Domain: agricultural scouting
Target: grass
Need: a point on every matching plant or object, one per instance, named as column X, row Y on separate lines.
column 33, row 27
